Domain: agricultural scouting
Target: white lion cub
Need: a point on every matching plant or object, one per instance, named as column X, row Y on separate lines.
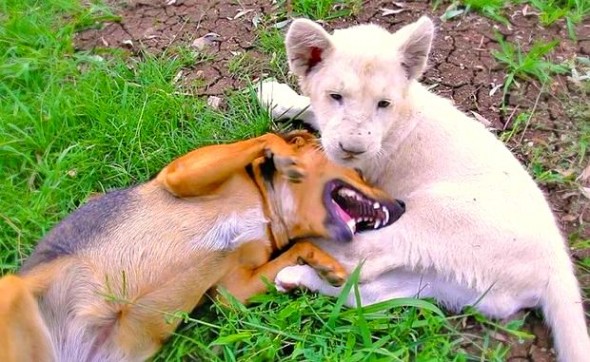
column 477, row 230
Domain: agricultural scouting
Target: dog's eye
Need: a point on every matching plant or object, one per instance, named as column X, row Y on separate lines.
column 383, row 104
column 337, row 97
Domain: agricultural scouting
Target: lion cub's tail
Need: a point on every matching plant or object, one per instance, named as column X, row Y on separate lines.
column 564, row 312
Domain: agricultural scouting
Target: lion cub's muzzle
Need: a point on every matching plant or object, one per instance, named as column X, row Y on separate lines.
column 352, row 211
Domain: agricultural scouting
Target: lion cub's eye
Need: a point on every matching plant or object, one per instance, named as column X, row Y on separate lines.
column 337, row 97
column 383, row 104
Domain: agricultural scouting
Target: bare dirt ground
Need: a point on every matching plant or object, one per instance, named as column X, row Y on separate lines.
column 461, row 68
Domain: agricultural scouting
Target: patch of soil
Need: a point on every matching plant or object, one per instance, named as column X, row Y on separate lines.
column 462, row 68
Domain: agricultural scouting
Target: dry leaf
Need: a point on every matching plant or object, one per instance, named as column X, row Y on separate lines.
column 214, row 102
column 207, row 39
column 495, row 89
column 569, row 218
column 387, row 12
column 499, row 336
column 586, row 192
column 242, row 13
column 177, row 76
column 256, row 20
column 481, row 119
column 281, row 24
column 585, row 175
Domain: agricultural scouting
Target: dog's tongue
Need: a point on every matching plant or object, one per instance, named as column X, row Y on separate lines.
column 345, row 217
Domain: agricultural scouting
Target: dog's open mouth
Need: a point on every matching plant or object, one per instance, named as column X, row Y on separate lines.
column 358, row 211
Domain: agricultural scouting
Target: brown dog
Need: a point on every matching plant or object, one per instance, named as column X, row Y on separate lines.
column 103, row 284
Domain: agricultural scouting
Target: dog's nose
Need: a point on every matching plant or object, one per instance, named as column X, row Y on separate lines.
column 402, row 204
column 351, row 150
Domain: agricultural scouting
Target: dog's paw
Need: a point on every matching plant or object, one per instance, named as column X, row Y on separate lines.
column 287, row 165
column 329, row 270
column 297, row 276
column 334, row 276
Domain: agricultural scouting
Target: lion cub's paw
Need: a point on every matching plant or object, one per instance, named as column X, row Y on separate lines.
column 297, row 276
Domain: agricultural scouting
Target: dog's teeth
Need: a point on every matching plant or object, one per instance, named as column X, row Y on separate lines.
column 351, row 225
column 377, row 224
column 386, row 215
column 348, row 193
column 376, row 205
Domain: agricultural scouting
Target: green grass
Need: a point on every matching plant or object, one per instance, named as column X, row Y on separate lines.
column 527, row 65
column 325, row 9
column 73, row 123
column 574, row 12
column 270, row 42
column 279, row 327
column 492, row 9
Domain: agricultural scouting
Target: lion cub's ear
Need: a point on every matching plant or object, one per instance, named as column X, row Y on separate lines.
column 416, row 39
column 307, row 45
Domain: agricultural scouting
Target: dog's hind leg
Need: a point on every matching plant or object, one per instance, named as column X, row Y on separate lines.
column 245, row 283
column 23, row 334
column 202, row 171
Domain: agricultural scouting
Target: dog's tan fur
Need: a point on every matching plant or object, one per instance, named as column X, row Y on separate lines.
column 104, row 283
column 477, row 229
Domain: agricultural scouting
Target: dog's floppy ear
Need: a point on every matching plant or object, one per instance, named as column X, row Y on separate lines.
column 307, row 45
column 416, row 39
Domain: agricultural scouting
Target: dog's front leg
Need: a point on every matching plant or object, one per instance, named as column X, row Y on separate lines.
column 202, row 171
column 247, row 282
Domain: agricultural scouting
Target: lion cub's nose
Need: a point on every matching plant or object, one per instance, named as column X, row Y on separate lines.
column 352, row 150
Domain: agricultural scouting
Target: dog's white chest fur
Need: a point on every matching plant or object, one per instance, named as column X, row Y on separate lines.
column 230, row 231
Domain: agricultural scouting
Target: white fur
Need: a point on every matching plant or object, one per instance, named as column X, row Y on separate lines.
column 477, row 228
column 272, row 96
column 230, row 231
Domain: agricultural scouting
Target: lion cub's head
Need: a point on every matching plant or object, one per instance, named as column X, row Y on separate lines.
column 357, row 80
